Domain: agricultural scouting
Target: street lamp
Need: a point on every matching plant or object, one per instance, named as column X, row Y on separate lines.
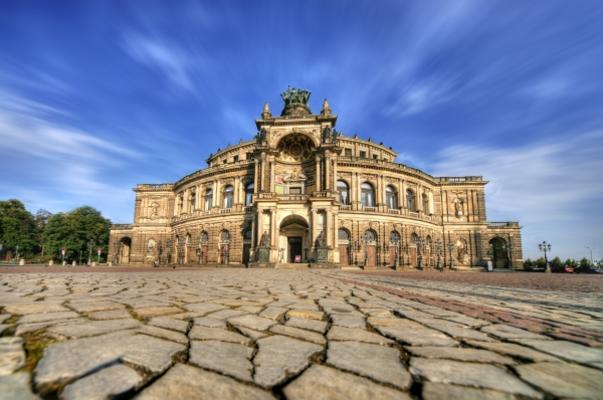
column 588, row 247
column 450, row 248
column 545, row 247
column 16, row 253
column 90, row 244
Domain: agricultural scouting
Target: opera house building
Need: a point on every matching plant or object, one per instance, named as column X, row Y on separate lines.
column 301, row 192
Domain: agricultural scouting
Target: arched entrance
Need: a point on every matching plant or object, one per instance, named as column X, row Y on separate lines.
column 125, row 244
column 293, row 240
column 499, row 252
column 343, row 240
column 246, row 246
column 370, row 248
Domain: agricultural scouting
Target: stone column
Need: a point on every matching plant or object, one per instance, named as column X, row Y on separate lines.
column 256, row 174
column 403, row 195
column 237, row 191
column 271, row 174
column 317, row 175
column 335, row 173
column 273, row 233
column 327, row 170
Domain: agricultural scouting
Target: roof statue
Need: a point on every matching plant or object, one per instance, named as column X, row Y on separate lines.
column 266, row 111
column 326, row 110
column 296, row 102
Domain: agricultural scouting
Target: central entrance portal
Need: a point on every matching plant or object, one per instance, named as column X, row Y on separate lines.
column 295, row 249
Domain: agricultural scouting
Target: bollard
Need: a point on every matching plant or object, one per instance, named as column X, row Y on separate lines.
column 22, row 261
column 50, row 263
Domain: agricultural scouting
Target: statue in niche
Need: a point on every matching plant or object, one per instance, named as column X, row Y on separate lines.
column 154, row 209
column 260, row 136
column 320, row 240
column 265, row 240
column 462, row 255
column 326, row 134
column 458, row 207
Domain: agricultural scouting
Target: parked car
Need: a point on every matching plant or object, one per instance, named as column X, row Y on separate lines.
column 568, row 269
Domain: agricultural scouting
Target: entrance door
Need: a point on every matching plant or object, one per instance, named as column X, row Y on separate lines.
column 343, row 255
column 371, row 255
column 295, row 249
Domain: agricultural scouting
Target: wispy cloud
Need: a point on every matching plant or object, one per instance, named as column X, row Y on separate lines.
column 168, row 58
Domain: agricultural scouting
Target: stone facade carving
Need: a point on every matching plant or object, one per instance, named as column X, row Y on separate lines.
column 299, row 165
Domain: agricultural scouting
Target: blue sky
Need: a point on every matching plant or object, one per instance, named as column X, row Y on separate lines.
column 97, row 96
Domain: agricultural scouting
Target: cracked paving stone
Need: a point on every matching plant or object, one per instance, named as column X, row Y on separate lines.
column 440, row 391
column 306, row 314
column 252, row 333
column 514, row 350
column 4, row 317
column 110, row 314
column 12, row 355
column 564, row 379
column 460, row 354
column 92, row 328
column 410, row 332
column 146, row 312
column 45, row 317
column 74, row 358
column 163, row 333
column 299, row 334
column 309, row 324
column 455, row 330
column 331, row 384
column 34, row 308
column 470, row 374
column 106, row 383
column 252, row 322
column 348, row 320
column 279, row 357
column 567, row 350
column 510, row 332
column 225, row 314
column 357, row 335
column 203, row 333
column 274, row 313
column 204, row 308
column 227, row 358
column 381, row 363
column 191, row 383
column 16, row 387
column 91, row 306
column 169, row 323
column 209, row 322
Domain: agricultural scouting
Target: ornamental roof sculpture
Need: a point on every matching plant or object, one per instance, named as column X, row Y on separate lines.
column 296, row 102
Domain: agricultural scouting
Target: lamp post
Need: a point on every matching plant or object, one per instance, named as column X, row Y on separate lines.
column 545, row 247
column 420, row 244
column 16, row 254
column 450, row 248
column 438, row 249
column 90, row 244
column 588, row 247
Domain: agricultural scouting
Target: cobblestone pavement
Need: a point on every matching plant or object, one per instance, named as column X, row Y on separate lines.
column 264, row 334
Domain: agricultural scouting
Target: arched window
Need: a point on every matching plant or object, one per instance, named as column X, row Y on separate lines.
column 224, row 236
column 344, row 192
column 343, row 235
column 394, row 237
column 367, row 195
column 426, row 203
column 249, row 193
column 414, row 238
column 209, row 199
column 411, row 202
column 180, row 203
column 370, row 236
column 187, row 240
column 228, row 196
column 391, row 197
column 204, row 238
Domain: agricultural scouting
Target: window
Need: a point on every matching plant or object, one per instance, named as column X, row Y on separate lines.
column 375, row 157
column 209, row 199
column 370, row 236
column 362, row 154
column 367, row 195
column 295, row 190
column 193, row 201
column 224, row 236
column 204, row 239
column 249, row 156
column 249, row 193
column 348, row 152
column 228, row 196
column 394, row 237
column 411, row 203
column 414, row 238
column 180, row 203
column 343, row 235
column 426, row 203
column 391, row 197
column 235, row 158
column 224, row 161
column 344, row 192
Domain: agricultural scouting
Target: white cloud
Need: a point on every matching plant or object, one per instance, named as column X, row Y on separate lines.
column 175, row 63
column 554, row 188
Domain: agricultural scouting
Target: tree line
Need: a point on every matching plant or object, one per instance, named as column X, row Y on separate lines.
column 41, row 237
column 583, row 265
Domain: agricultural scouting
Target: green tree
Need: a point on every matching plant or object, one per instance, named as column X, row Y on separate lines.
column 556, row 265
column 17, row 228
column 75, row 230
column 584, row 266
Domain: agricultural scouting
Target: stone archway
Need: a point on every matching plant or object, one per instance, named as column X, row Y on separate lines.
column 293, row 239
column 498, row 249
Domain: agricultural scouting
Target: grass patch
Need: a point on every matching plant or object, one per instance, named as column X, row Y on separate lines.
column 35, row 344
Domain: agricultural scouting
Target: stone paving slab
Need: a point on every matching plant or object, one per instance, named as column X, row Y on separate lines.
column 264, row 334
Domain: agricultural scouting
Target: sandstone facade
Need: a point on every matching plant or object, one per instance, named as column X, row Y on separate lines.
column 301, row 192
